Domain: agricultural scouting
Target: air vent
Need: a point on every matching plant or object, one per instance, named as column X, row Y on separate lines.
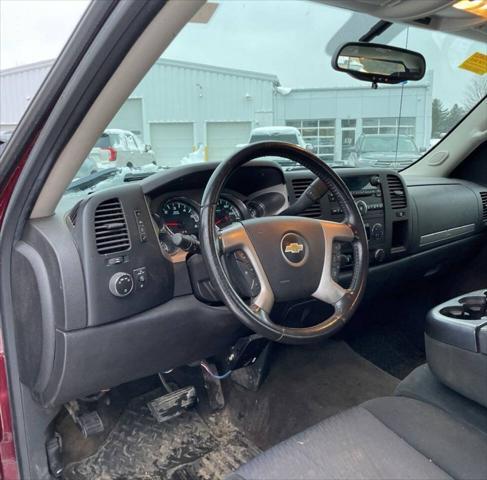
column 111, row 232
column 397, row 192
column 299, row 186
column 483, row 196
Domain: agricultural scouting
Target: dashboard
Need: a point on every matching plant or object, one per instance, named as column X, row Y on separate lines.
column 110, row 289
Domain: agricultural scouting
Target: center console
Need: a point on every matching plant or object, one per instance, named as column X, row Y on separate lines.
column 381, row 198
column 456, row 344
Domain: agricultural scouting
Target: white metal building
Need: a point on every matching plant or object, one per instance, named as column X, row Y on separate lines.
column 181, row 106
column 18, row 86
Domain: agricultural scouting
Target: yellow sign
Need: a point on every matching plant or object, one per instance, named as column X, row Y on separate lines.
column 476, row 63
column 477, row 7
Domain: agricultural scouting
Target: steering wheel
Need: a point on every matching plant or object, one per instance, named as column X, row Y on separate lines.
column 292, row 257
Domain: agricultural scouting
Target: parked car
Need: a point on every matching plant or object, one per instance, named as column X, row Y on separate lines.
column 121, row 148
column 384, row 150
column 279, row 134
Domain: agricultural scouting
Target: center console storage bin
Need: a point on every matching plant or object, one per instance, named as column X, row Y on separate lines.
column 456, row 344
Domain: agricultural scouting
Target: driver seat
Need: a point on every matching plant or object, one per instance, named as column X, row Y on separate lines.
column 385, row 438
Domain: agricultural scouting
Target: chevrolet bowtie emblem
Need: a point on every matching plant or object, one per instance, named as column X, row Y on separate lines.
column 294, row 248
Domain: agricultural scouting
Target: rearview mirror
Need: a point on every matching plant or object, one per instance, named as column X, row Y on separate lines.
column 378, row 63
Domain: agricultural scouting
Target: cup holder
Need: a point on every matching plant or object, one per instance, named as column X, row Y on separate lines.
column 469, row 308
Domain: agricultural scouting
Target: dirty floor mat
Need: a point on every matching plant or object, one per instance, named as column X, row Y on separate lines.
column 184, row 448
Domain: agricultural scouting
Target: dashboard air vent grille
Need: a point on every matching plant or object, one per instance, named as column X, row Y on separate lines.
column 299, row 186
column 111, row 231
column 396, row 189
column 483, row 196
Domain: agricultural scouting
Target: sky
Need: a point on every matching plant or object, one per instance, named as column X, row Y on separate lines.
column 291, row 39
column 35, row 30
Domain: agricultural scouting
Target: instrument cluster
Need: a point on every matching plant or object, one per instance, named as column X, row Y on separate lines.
column 181, row 215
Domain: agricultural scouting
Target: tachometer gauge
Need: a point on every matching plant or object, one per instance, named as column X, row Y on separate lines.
column 178, row 216
column 226, row 213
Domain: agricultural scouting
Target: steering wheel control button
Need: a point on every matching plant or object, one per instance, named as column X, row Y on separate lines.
column 294, row 249
column 247, row 280
column 121, row 284
column 336, row 260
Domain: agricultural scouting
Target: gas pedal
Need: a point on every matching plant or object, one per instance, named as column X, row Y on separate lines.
column 173, row 404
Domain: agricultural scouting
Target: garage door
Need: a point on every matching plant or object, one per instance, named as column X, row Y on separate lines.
column 223, row 138
column 171, row 142
column 129, row 117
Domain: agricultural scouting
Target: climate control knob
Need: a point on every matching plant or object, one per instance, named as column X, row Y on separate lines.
column 121, row 284
column 362, row 207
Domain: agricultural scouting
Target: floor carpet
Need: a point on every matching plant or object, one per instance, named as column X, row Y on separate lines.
column 305, row 385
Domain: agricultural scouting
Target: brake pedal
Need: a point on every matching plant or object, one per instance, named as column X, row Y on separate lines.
column 173, row 403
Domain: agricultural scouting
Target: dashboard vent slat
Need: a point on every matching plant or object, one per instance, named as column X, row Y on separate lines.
column 299, row 186
column 483, row 196
column 397, row 192
column 110, row 225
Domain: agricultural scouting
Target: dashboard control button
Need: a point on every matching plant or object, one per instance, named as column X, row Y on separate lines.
column 114, row 261
column 375, row 180
column 140, row 276
column 377, row 231
column 380, row 255
column 362, row 207
column 121, row 284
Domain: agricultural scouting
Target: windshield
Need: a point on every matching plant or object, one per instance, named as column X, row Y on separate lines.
column 389, row 144
column 267, row 65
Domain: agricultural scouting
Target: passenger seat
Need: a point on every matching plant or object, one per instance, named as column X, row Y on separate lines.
column 423, row 432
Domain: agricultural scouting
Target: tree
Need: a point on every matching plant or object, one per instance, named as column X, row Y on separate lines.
column 439, row 116
column 455, row 114
column 476, row 90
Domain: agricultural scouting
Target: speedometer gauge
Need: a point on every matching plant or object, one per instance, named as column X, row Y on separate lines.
column 226, row 213
column 180, row 217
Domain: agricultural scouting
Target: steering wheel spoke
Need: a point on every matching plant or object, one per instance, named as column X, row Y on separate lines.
column 337, row 231
column 329, row 290
column 235, row 238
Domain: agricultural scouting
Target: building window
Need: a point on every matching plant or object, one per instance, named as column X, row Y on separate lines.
column 320, row 134
column 389, row 125
column 348, row 137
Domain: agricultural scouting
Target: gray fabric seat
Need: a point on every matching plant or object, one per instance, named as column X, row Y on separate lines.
column 386, row 438
column 422, row 385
